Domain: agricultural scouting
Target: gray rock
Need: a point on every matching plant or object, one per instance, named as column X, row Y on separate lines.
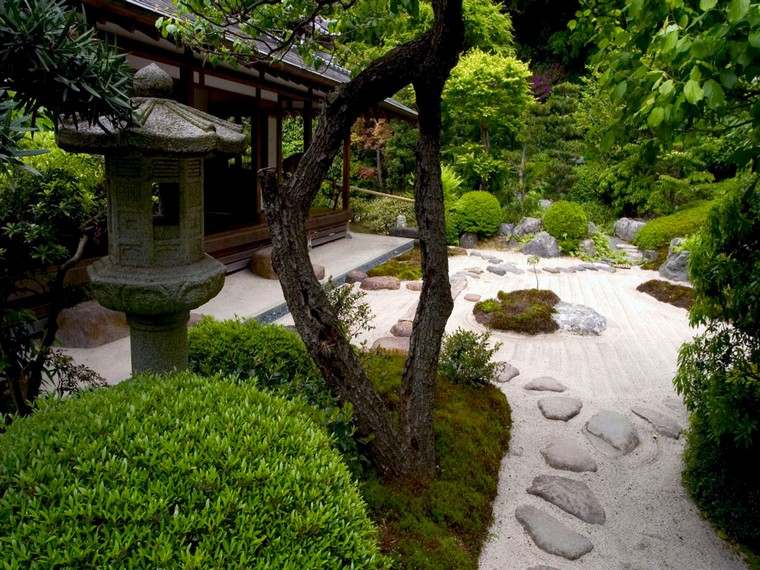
column 458, row 284
column 615, row 429
column 471, row 274
column 468, row 240
column 542, row 245
column 560, row 407
column 355, row 276
column 398, row 344
column 544, row 203
column 589, row 266
column 493, row 259
column 579, row 319
column 545, row 384
column 381, row 282
column 676, row 266
column 505, row 372
column 591, row 228
column 568, row 455
column 588, row 247
column 477, row 270
column 627, row 228
column 472, row 297
column 414, row 285
column 89, row 324
column 402, row 328
column 663, row 424
column 506, row 230
column 551, row 269
column 497, row 270
column 552, row 536
column 528, row 226
column 571, row 496
column 511, row 268
column 606, row 268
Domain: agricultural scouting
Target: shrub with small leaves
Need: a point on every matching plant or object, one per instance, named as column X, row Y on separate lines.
column 567, row 222
column 467, row 357
column 379, row 214
column 177, row 472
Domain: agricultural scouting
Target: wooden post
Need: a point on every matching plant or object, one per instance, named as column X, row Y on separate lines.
column 346, row 170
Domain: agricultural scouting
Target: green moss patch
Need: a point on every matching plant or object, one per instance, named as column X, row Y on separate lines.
column 660, row 231
column 406, row 266
column 444, row 525
column 526, row 311
column 676, row 295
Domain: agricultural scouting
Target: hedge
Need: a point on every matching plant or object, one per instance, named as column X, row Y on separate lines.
column 659, row 231
column 179, row 471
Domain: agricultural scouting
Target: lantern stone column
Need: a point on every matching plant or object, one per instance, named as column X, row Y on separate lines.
column 156, row 270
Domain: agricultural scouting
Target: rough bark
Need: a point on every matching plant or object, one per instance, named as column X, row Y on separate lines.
column 405, row 450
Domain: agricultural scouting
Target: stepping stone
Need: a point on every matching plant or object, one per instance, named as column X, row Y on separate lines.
column 472, row 297
column 552, row 269
column 471, row 274
column 497, row 270
column 663, row 424
column 355, row 276
column 567, row 454
column 477, row 270
column 458, row 284
column 515, row 270
column 505, row 372
column 571, row 496
column 393, row 344
column 545, row 384
column 606, row 268
column 552, row 536
column 589, row 266
column 566, row 270
column 403, row 328
column 381, row 282
column 559, row 407
column 494, row 260
column 615, row 429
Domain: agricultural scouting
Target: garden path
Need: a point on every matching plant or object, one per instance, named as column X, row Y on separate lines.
column 649, row 520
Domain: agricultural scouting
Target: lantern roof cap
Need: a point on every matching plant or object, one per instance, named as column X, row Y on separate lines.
column 160, row 126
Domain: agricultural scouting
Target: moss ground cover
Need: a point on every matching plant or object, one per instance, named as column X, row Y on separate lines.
column 406, row 266
column 659, row 231
column 526, row 311
column 676, row 295
column 444, row 525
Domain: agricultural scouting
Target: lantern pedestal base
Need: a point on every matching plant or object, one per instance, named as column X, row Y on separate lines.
column 158, row 342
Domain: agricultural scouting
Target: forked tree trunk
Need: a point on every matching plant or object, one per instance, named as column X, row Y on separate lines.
column 405, row 449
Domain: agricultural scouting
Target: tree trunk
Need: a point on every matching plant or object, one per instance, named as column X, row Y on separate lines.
column 398, row 451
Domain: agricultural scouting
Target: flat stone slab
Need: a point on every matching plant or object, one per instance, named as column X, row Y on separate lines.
column 414, row 285
column 552, row 536
column 567, row 454
column 381, row 282
column 497, row 270
column 398, row 344
column 560, row 407
column 355, row 276
column 571, row 496
column 515, row 270
column 590, row 266
column 477, row 270
column 615, row 429
column 472, row 297
column 458, row 284
column 552, row 269
column 505, row 372
column 403, row 328
column 545, row 384
column 662, row 423
column 494, row 260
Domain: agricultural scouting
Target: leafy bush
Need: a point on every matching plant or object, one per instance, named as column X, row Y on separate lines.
column 526, row 311
column 475, row 212
column 354, row 313
column 659, row 231
column 451, row 182
column 467, row 358
column 566, row 221
column 379, row 214
column 274, row 358
column 718, row 371
column 178, row 471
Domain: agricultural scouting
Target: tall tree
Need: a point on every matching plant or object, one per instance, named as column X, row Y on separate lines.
column 404, row 448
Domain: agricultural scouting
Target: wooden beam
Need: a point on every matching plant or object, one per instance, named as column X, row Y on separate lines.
column 346, row 171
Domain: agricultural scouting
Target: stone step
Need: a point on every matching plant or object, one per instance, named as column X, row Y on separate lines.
column 615, row 429
column 567, row 454
column 559, row 407
column 663, row 424
column 545, row 384
column 551, row 535
column 571, row 496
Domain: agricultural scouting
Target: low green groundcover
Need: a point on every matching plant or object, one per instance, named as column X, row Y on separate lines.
column 406, row 266
column 526, row 311
column 677, row 295
column 658, row 232
column 179, row 471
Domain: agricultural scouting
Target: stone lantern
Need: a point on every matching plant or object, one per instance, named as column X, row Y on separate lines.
column 156, row 270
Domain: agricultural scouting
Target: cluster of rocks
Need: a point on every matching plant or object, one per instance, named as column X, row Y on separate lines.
column 609, row 432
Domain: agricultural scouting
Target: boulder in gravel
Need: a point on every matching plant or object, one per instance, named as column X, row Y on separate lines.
column 627, row 228
column 571, row 496
column 505, row 372
column 615, row 429
column 588, row 247
column 381, row 282
column 560, row 407
column 551, row 535
column 506, row 230
column 545, row 384
column 528, row 226
column 512, row 268
column 398, row 344
column 89, row 324
column 402, row 328
column 567, row 454
column 676, row 266
column 414, row 285
column 468, row 240
column 497, row 269
column 579, row 319
column 662, row 423
column 355, row 276
column 542, row 245
column 552, row 269
column 472, row 297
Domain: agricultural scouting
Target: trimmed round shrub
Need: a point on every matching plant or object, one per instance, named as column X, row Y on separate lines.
column 567, row 222
column 659, row 231
column 475, row 212
column 178, row 472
